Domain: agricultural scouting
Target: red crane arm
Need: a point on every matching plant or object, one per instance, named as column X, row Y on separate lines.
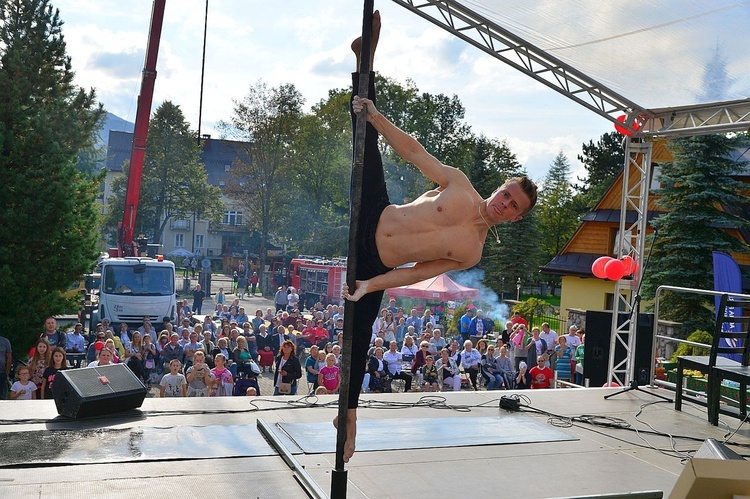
column 140, row 133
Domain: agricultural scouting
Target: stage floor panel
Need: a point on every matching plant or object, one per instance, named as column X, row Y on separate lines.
column 407, row 433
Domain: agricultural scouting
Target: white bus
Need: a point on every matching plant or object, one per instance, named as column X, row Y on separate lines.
column 133, row 288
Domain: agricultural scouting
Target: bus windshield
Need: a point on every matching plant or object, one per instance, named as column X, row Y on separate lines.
column 124, row 280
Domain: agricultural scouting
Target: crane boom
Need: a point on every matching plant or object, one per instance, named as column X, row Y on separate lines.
column 140, row 132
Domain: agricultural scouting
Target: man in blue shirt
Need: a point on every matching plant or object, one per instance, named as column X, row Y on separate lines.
column 465, row 323
column 76, row 345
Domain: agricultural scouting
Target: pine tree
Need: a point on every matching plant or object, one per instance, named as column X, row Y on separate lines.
column 603, row 161
column 693, row 188
column 557, row 219
column 49, row 220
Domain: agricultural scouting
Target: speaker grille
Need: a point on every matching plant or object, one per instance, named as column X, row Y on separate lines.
column 89, row 381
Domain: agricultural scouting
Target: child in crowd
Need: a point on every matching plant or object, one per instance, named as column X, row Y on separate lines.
column 220, row 297
column 224, row 382
column 199, row 377
column 251, row 391
column 329, row 376
column 174, row 383
column 430, row 375
column 321, row 390
column 41, row 359
column 23, row 389
column 58, row 363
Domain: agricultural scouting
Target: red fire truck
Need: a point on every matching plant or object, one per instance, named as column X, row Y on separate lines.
column 318, row 277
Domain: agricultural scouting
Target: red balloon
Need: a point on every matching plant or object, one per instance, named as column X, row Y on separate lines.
column 597, row 268
column 630, row 264
column 614, row 269
column 636, row 125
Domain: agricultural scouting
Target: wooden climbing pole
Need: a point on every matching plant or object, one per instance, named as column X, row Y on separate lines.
column 339, row 475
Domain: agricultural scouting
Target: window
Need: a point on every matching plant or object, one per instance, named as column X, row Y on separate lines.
column 179, row 240
column 232, row 218
column 199, row 240
column 129, row 280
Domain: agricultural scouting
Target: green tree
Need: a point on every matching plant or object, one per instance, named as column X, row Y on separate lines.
column 603, row 161
column 557, row 219
column 320, row 170
column 268, row 119
column 693, row 189
column 174, row 183
column 49, row 222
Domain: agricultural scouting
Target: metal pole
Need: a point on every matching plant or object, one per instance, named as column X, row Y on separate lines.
column 339, row 475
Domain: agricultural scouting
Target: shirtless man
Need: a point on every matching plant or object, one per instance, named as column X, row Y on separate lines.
column 450, row 223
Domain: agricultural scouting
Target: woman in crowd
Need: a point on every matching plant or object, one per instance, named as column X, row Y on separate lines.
column 41, row 359
column 226, row 331
column 242, row 356
column 388, row 326
column 518, row 338
column 409, row 350
column 134, row 356
column 311, row 367
column 420, row 358
column 258, row 320
column 109, row 344
column 448, row 372
column 535, row 346
column 491, row 372
column 58, row 362
column 288, row 370
column 265, row 348
column 149, row 359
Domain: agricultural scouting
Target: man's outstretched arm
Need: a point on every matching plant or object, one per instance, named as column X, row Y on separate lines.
column 402, row 276
column 405, row 145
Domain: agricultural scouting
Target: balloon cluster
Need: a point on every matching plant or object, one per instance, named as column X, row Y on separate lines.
column 636, row 125
column 612, row 268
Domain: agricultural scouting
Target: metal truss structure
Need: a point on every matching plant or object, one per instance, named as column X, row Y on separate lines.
column 718, row 117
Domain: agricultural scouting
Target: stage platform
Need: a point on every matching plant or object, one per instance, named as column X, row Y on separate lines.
column 411, row 446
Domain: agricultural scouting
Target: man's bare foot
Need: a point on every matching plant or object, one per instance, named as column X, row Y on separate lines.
column 351, row 433
column 357, row 44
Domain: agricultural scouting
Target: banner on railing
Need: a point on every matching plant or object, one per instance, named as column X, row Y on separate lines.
column 727, row 278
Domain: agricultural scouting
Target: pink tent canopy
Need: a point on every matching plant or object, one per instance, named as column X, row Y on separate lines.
column 440, row 288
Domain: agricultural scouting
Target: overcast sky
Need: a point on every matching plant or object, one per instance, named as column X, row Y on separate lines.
column 306, row 42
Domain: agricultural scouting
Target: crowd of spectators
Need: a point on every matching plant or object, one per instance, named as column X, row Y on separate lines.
column 224, row 353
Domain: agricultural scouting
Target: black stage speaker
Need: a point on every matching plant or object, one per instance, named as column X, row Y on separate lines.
column 596, row 348
column 97, row 391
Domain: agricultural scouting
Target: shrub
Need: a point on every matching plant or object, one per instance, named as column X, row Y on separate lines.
column 698, row 336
